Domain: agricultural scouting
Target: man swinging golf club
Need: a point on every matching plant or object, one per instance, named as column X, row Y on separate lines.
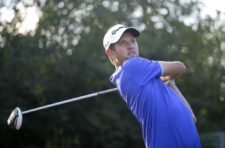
column 164, row 115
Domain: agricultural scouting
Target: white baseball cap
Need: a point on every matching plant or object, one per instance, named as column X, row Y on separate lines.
column 115, row 32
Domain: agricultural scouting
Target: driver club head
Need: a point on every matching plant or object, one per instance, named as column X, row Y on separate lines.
column 15, row 119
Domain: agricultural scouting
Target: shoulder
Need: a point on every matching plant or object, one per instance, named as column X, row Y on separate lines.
column 135, row 60
column 138, row 61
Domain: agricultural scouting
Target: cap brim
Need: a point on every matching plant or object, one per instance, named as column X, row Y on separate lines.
column 134, row 31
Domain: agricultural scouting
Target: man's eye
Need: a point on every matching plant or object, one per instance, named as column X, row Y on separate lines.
column 122, row 43
column 133, row 40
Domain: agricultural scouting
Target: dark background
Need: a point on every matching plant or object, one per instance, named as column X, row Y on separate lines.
column 64, row 58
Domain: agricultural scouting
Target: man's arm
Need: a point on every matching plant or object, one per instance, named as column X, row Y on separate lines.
column 171, row 71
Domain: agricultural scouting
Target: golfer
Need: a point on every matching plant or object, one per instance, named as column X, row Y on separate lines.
column 149, row 90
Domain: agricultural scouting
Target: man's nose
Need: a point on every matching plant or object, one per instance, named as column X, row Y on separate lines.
column 130, row 45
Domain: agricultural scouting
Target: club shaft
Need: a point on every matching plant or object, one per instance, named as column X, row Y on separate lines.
column 70, row 100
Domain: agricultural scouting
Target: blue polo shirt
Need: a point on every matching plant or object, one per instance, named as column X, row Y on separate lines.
column 165, row 120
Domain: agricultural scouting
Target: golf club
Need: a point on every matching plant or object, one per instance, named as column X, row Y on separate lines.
column 16, row 117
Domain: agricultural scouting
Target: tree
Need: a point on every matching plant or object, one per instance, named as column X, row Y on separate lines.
column 64, row 58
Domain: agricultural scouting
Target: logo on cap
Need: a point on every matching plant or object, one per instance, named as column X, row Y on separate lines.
column 114, row 31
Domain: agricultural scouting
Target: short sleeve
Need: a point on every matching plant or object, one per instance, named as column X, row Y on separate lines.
column 143, row 70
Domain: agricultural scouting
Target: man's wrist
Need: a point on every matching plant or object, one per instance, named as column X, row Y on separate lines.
column 169, row 81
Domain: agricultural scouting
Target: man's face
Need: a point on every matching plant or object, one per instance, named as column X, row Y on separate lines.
column 125, row 48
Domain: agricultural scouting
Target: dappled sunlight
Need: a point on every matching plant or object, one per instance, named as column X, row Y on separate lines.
column 6, row 15
column 31, row 17
column 28, row 17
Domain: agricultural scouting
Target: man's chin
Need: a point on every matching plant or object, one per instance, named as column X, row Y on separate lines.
column 133, row 55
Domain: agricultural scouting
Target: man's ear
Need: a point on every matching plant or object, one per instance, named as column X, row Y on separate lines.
column 109, row 53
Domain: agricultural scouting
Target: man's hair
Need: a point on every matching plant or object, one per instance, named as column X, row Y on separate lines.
column 112, row 47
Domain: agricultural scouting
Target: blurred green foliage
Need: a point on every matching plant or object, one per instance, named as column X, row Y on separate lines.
column 64, row 58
